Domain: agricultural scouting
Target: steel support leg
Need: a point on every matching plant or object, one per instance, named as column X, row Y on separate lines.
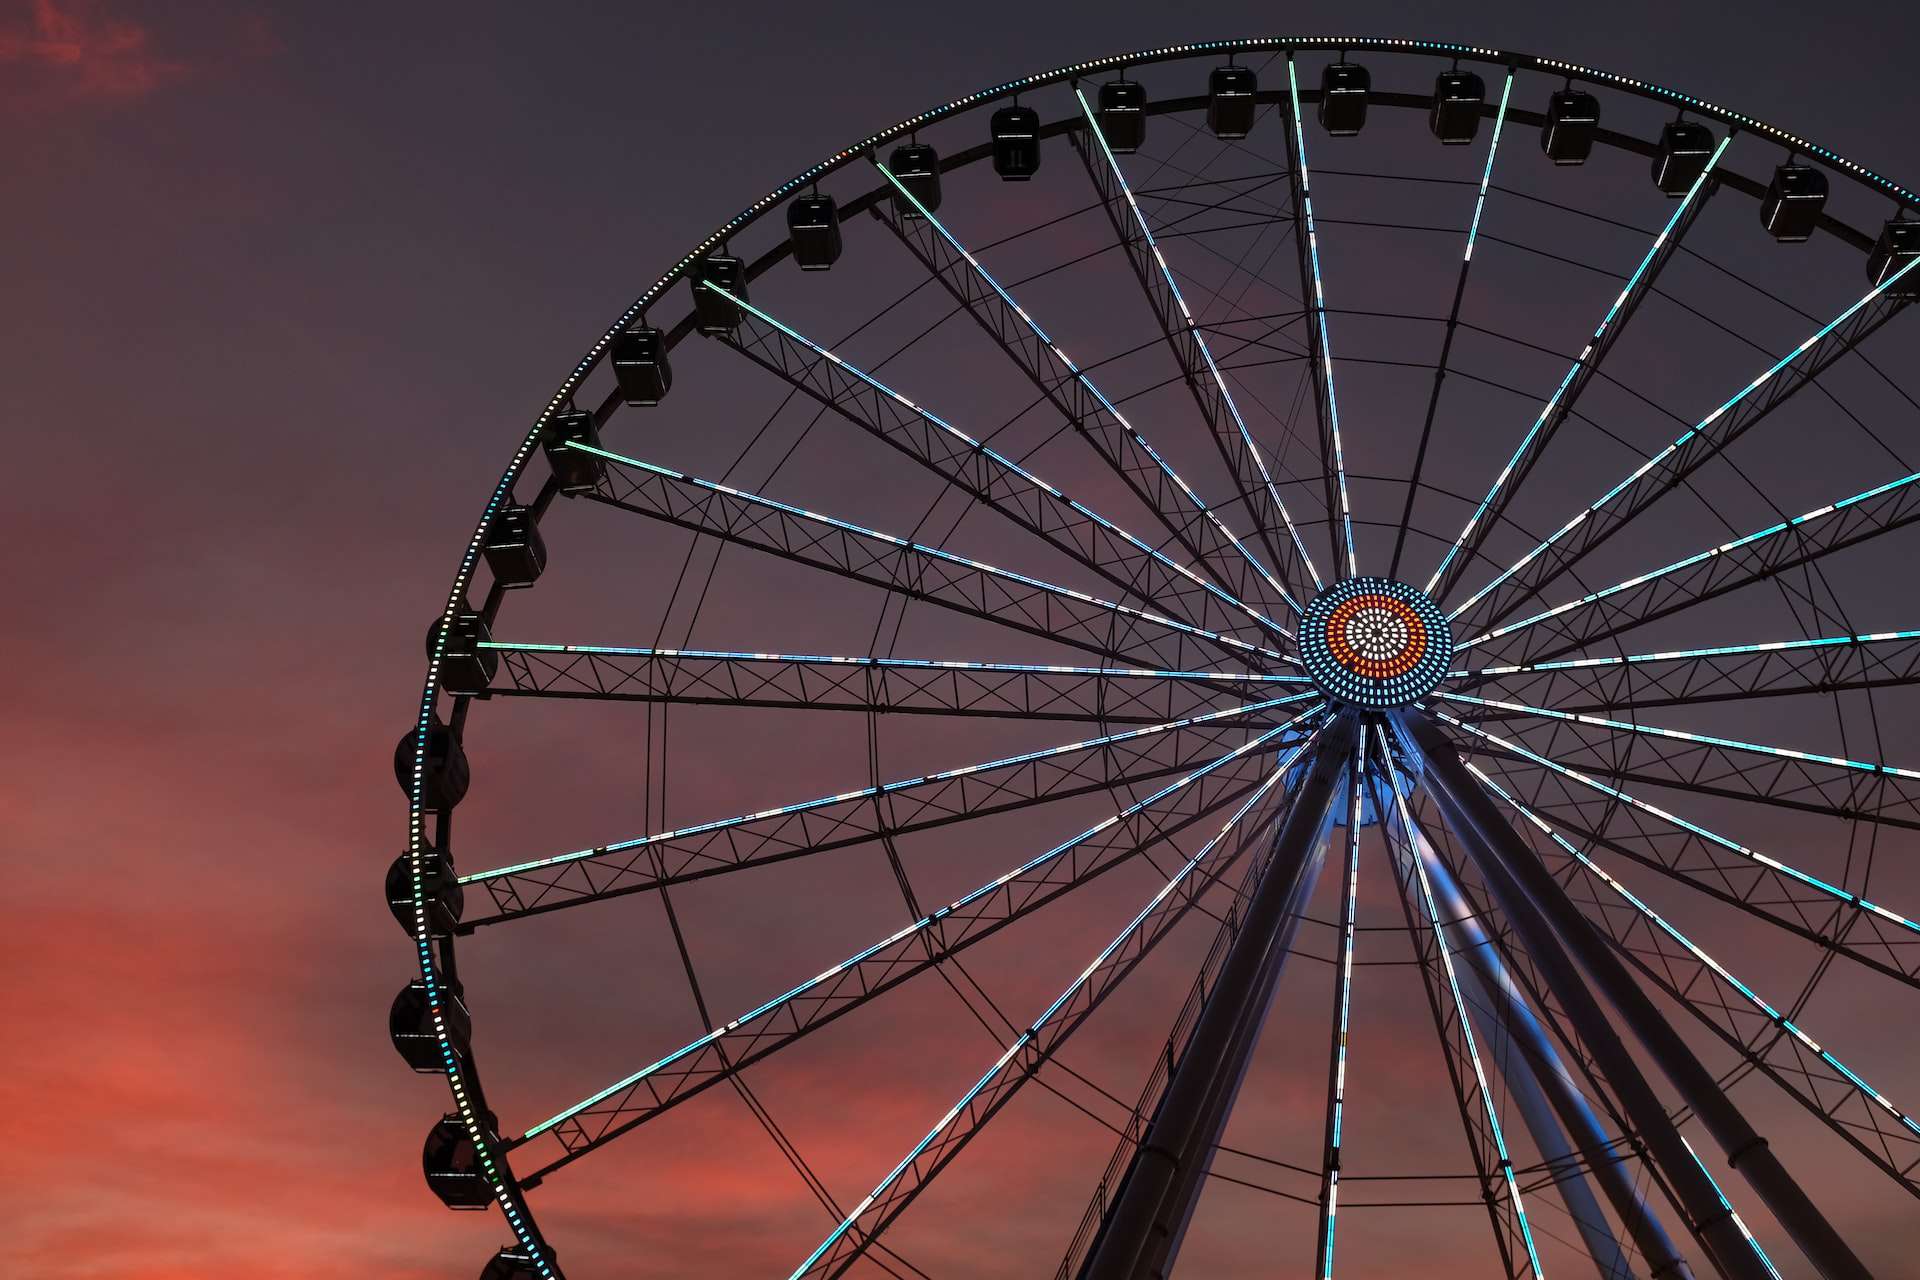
column 1499, row 853
column 1141, row 1234
column 1547, row 921
column 1538, row 1063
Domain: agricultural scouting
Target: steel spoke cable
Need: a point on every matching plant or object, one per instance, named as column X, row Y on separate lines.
column 1081, row 376
column 1851, row 900
column 1453, row 321
column 1250, row 450
column 1000, row 463
column 917, row 549
column 916, row 782
column 1023, row 1057
column 914, row 929
column 1332, row 447
column 1545, row 425
column 1682, row 735
column 1773, row 532
column 1679, row 443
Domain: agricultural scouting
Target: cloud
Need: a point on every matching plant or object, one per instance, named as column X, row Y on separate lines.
column 80, row 54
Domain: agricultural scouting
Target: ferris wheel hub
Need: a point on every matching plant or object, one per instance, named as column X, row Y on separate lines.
column 1375, row 643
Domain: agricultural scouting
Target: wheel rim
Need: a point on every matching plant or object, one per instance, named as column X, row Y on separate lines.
column 1251, row 624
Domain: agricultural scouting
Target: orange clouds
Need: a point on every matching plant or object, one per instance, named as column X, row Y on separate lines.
column 81, row 54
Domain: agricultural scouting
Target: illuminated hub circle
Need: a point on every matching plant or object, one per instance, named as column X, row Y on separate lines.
column 1373, row 642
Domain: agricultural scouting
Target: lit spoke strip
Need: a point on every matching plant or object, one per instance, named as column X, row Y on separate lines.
column 934, row 553
column 1772, row 531
column 1547, row 422
column 1453, row 324
column 886, row 788
column 1732, row 846
column 1029, row 1050
column 1681, row 441
column 925, row 926
column 936, row 664
column 1599, row 875
column 1320, row 321
column 1733, row 1213
column 1004, row 464
column 1486, row 175
column 1411, row 841
column 1194, row 331
column 1681, row 735
column 1110, row 409
column 1688, row 655
column 1337, row 1086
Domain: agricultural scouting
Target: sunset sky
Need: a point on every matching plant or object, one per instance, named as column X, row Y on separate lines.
column 282, row 287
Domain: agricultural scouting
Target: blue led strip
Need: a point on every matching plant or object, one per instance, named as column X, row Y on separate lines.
column 1320, row 320
column 1006, row 464
column 1733, row 1213
column 920, row 926
column 936, row 553
column 1699, row 557
column 886, row 788
column 1074, row 370
column 1681, row 655
column 1200, row 341
column 1330, row 1174
column 1712, row 837
column 864, row 660
column 498, row 1177
column 1580, row 361
column 1681, row 440
column 1416, row 855
column 1682, row 735
column 1600, row 876
column 1486, row 175
column 1047, row 1020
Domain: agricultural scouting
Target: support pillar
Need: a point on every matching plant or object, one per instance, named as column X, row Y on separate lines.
column 1140, row 1236
column 1554, row 932
column 1540, row 1061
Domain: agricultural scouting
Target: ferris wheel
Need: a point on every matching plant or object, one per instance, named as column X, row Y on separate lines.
column 1465, row 540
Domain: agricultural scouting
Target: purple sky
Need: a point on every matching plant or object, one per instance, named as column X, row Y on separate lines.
column 283, row 286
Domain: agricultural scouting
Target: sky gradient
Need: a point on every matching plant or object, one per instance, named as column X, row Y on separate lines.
column 284, row 285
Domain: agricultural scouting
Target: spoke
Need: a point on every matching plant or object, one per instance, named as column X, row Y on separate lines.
column 1676, row 462
column 1186, row 338
column 763, row 1030
column 1804, row 780
column 1714, row 571
column 1718, row 865
column 1196, row 526
column 986, row 474
column 1430, row 945
column 822, row 682
column 1102, row 764
column 1342, row 1006
column 1560, row 404
column 1339, row 509
column 1016, row 600
column 1453, row 324
column 1028, row 1052
column 1718, row 673
column 1764, row 1036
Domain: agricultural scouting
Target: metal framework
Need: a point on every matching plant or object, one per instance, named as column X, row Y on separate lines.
column 1144, row 578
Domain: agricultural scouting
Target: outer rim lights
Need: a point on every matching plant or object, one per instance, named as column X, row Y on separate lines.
column 1374, row 642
